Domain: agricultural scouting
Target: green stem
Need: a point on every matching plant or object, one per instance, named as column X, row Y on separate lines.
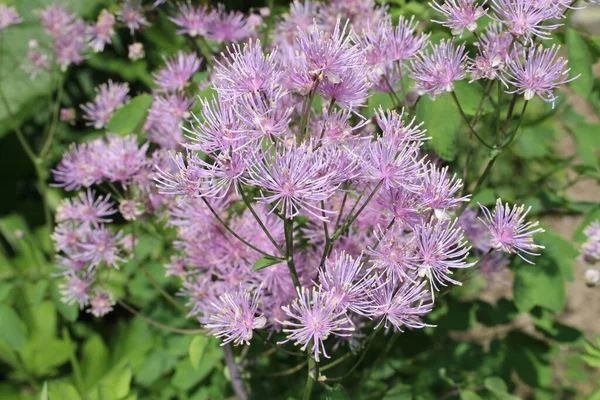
column 52, row 129
column 466, row 120
column 351, row 220
column 313, row 375
column 288, row 228
column 157, row 324
column 258, row 220
column 306, row 107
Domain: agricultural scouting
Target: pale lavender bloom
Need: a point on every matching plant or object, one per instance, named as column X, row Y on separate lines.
column 361, row 14
column 351, row 91
column 440, row 248
column 460, row 14
column 227, row 26
column 493, row 264
column 77, row 289
column 494, row 52
column 109, row 97
column 123, row 158
column 103, row 31
column 130, row 210
column 66, row 238
column 184, row 180
column 8, row 17
column 131, row 14
column 396, row 130
column 592, row 231
column 87, row 209
column 438, row 190
column 401, row 304
column 348, row 283
column 592, row 277
column 295, row 180
column 247, row 70
column 165, row 118
column 101, row 303
column 318, row 317
column 537, row 72
column 435, row 71
column 193, row 21
column 299, row 19
column 394, row 255
column 79, row 166
column 590, row 250
column 474, row 229
column 55, row 18
column 399, row 204
column 264, row 116
column 523, row 18
column 509, row 231
column 393, row 165
column 404, row 44
column 70, row 44
column 38, row 60
column 178, row 72
column 334, row 127
column 102, row 247
column 236, row 317
column 135, row 51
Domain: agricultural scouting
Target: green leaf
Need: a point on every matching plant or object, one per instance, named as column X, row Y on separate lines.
column 495, row 385
column 442, row 120
column 587, row 140
column 470, row 95
column 70, row 312
column 44, row 393
column 560, row 250
column 541, row 284
column 197, row 349
column 469, row 395
column 58, row 390
column 592, row 216
column 580, row 62
column 94, row 361
column 12, row 329
column 265, row 262
column 336, row 393
column 131, row 117
column 534, row 142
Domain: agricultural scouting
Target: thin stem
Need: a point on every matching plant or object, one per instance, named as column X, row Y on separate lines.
column 352, row 353
column 234, row 372
column 351, row 220
column 259, row 357
column 339, row 218
column 313, row 375
column 285, row 372
column 306, row 107
column 74, row 365
column 509, row 116
column 52, row 128
column 466, row 120
column 158, row 324
column 288, row 228
column 258, row 220
column 238, row 237
column 511, row 137
column 395, row 100
column 276, row 346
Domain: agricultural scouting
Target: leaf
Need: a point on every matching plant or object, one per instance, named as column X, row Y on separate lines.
column 70, row 312
column 58, row 390
column 265, row 262
column 44, row 394
column 94, row 361
column 534, row 142
column 470, row 95
column 560, row 250
column 442, row 120
column 12, row 329
column 542, row 284
column 495, row 385
column 469, row 395
column 336, row 393
column 197, row 349
column 131, row 117
column 587, row 140
column 580, row 62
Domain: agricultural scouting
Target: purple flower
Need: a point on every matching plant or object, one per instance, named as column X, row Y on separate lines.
column 123, row 158
column 131, row 14
column 55, row 18
column 399, row 204
column 227, row 26
column 236, row 317
column 88, row 209
column 523, row 18
column 438, row 190
column 295, row 180
column 178, row 72
column 102, row 247
column 403, row 44
column 165, row 117
column 130, row 210
column 37, row 60
column 70, row 44
column 77, row 289
column 401, row 304
column 435, row 71
column 474, row 229
column 68, row 115
column 193, row 21
column 101, row 303
column 102, row 31
column 318, row 317
column 8, row 17
column 509, row 231
column 348, row 283
column 494, row 51
column 109, row 98
column 299, row 19
column 391, row 164
column 440, row 248
column 135, row 51
column 460, row 14
column 537, row 72
column 394, row 255
column 79, row 166
column 396, row 130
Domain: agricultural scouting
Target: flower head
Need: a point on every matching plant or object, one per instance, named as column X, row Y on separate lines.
column 460, row 14
column 131, row 14
column 8, row 17
column 435, row 71
column 509, row 231
column 193, row 21
column 109, row 98
column 102, row 31
column 101, row 303
column 523, row 18
column 178, row 72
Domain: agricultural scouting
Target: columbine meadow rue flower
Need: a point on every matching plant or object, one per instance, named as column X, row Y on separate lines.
column 227, row 26
column 86, row 210
column 438, row 191
column 103, row 31
column 404, row 44
column 132, row 15
column 109, row 98
column 8, row 17
column 460, row 14
column 37, row 60
column 318, row 317
column 178, row 72
column 494, row 47
column 191, row 20
column 590, row 250
column 348, row 282
column 592, row 277
column 236, row 317
column 537, row 71
column 77, row 289
column 523, row 18
column 435, row 71
column 101, row 303
column 165, row 118
column 299, row 19
column 509, row 231
column 135, row 51
column 401, row 304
